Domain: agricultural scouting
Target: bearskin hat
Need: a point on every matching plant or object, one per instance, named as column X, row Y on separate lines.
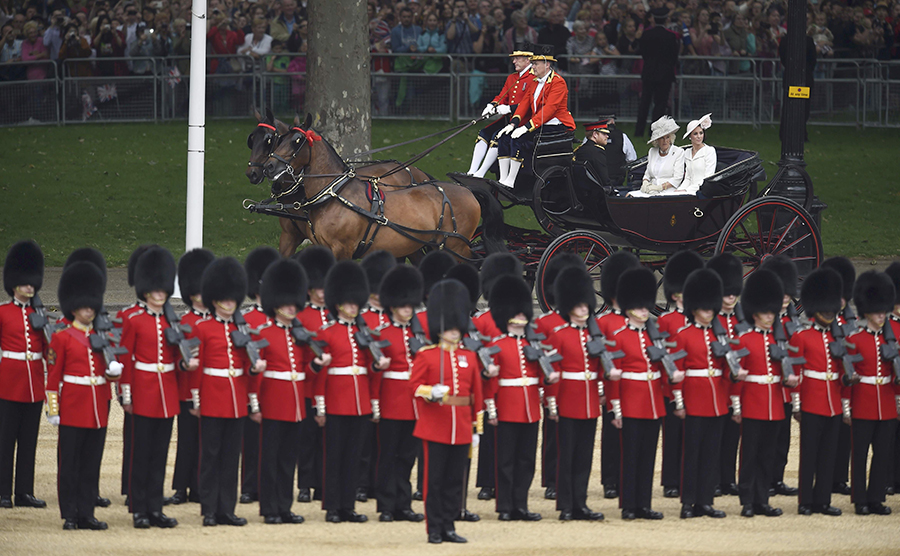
column 845, row 268
column 730, row 270
column 316, row 260
column 468, row 275
column 133, row 259
column 447, row 308
column 224, row 278
column 762, row 293
column 255, row 264
column 155, row 270
column 90, row 255
column 434, row 266
column 821, row 291
column 402, row 286
column 637, row 289
column 190, row 271
column 678, row 268
column 574, row 286
column 510, row 297
column 81, row 285
column 893, row 270
column 283, row 283
column 495, row 266
column 613, row 267
column 377, row 264
column 24, row 266
column 702, row 290
column 552, row 270
column 873, row 293
column 786, row 269
column 346, row 282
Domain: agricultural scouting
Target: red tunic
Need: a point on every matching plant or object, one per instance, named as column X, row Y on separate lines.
column 78, row 374
column 515, row 88
column 820, row 384
column 546, row 324
column 577, row 394
column 282, row 387
column 313, row 318
column 873, row 397
column 443, row 423
column 345, row 382
column 224, row 369
column 611, row 322
column 552, row 102
column 123, row 313
column 706, row 384
column 516, row 388
column 486, row 326
column 640, row 389
column 24, row 350
column 152, row 367
column 392, row 386
column 190, row 380
column 423, row 320
column 761, row 393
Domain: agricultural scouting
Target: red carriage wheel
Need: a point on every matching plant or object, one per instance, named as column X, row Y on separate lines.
column 592, row 248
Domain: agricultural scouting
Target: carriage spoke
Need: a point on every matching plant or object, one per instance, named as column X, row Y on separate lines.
column 784, row 234
column 793, row 243
column 589, row 253
column 771, row 230
column 749, row 236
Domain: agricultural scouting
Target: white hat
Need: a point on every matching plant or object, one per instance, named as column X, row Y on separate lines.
column 662, row 127
column 705, row 122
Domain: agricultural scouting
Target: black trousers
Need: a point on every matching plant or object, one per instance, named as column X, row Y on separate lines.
column 516, row 451
column 277, row 459
column 758, row 448
column 19, row 424
column 250, row 458
column 187, row 454
column 368, row 463
column 658, row 93
column 127, row 427
column 444, row 468
column 576, row 455
column 80, row 454
column 484, row 478
column 309, row 458
column 549, row 451
column 842, row 455
column 702, row 450
column 818, row 444
column 610, row 451
column 639, row 439
column 343, row 447
column 784, row 445
column 220, row 452
column 731, row 438
column 150, row 450
column 673, row 428
column 895, row 478
column 396, row 455
column 880, row 436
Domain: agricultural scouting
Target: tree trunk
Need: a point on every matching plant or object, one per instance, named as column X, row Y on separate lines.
column 338, row 90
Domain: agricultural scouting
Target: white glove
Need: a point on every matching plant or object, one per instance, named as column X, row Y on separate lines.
column 438, row 391
column 520, row 131
column 53, row 420
column 488, row 110
column 114, row 370
column 503, row 109
column 476, row 440
column 505, row 130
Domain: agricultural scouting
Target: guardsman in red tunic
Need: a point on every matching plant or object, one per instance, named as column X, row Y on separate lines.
column 400, row 293
column 446, row 381
column 873, row 406
column 342, row 391
column 762, row 407
column 893, row 270
column 506, row 102
column 819, row 410
column 576, row 402
column 187, row 455
column 223, row 395
column 149, row 387
column 637, row 395
column 78, row 396
column 23, row 352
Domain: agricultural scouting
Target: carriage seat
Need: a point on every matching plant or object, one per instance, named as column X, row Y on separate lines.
column 553, row 149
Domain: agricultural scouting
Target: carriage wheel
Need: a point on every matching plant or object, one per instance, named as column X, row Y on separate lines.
column 592, row 248
column 772, row 226
column 544, row 207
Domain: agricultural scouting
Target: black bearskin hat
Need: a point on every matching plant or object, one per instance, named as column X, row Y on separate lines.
column 90, row 255
column 316, row 260
column 678, row 267
column 762, row 293
column 133, row 259
column 377, row 264
column 190, row 272
column 730, row 270
column 255, row 264
column 447, row 308
column 821, row 291
column 283, row 283
column 434, row 266
column 468, row 275
column 346, row 283
column 24, row 266
column 613, row 267
column 81, row 285
column 893, row 270
column 574, row 286
column 702, row 290
column 224, row 278
column 155, row 270
column 873, row 293
column 511, row 297
column 637, row 289
column 786, row 270
column 552, row 270
column 848, row 274
column 401, row 286
column 495, row 266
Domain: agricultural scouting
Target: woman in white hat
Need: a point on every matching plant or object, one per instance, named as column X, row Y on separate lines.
column 700, row 158
column 665, row 161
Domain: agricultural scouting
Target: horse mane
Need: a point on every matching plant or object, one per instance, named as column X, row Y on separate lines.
column 344, row 165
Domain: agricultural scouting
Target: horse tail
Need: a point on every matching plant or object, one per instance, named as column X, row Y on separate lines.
column 493, row 228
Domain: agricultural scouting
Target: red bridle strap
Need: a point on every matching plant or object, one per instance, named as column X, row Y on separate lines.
column 311, row 135
column 261, row 124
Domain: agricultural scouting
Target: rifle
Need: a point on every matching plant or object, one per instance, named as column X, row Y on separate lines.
column 241, row 338
column 850, row 325
column 102, row 341
column 303, row 336
column 742, row 324
column 364, row 338
column 472, row 342
column 781, row 350
column 39, row 319
column 722, row 348
column 793, row 324
column 536, row 351
column 176, row 331
column 838, row 349
column 658, row 350
column 890, row 350
column 598, row 346
column 418, row 340
column 103, row 325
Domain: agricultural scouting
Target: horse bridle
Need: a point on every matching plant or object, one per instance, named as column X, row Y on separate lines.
column 307, row 136
column 252, row 164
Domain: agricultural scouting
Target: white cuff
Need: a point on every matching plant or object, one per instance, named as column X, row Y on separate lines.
column 601, row 390
column 254, row 402
column 551, row 406
column 195, row 397
column 126, row 394
column 320, row 405
column 735, row 405
column 617, row 409
column 376, row 409
column 491, row 407
column 795, row 402
column 845, row 407
column 678, row 397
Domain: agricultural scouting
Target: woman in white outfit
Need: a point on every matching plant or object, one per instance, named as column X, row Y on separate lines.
column 665, row 162
column 699, row 158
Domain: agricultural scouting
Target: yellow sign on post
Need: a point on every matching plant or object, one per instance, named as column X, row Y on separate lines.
column 798, row 92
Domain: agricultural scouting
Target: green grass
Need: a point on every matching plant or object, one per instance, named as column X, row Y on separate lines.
column 116, row 186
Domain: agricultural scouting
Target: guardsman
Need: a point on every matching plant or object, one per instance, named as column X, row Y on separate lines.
column 873, row 407
column 506, row 102
column 22, row 366
column 893, row 270
column 819, row 410
column 400, row 293
column 446, row 382
column 592, row 153
column 223, row 397
column 78, row 395
column 187, row 456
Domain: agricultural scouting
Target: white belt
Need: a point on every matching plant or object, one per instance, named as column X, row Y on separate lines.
column 877, row 380
column 763, row 379
column 85, row 380
column 819, row 375
column 223, row 373
column 292, row 376
column 396, row 375
column 646, row 377
column 22, row 355
column 346, row 371
column 568, row 375
column 154, row 367
column 702, row 373
column 523, row 381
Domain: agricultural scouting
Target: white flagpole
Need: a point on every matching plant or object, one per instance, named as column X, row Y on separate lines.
column 196, row 128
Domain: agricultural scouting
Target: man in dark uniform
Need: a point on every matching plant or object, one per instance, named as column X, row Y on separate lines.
column 592, row 154
column 659, row 50
column 619, row 151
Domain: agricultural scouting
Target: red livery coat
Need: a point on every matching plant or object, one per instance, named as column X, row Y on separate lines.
column 438, row 422
column 641, row 398
column 704, row 396
column 762, row 401
column 221, row 396
column 515, row 88
column 392, row 387
column 189, row 380
column 154, row 392
column 21, row 380
column 552, row 102
column 872, row 401
column 577, row 397
column 346, row 393
column 80, row 405
column 818, row 396
column 671, row 322
column 515, row 403
column 123, row 313
column 282, row 389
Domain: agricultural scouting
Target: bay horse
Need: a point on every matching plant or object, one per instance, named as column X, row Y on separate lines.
column 351, row 216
